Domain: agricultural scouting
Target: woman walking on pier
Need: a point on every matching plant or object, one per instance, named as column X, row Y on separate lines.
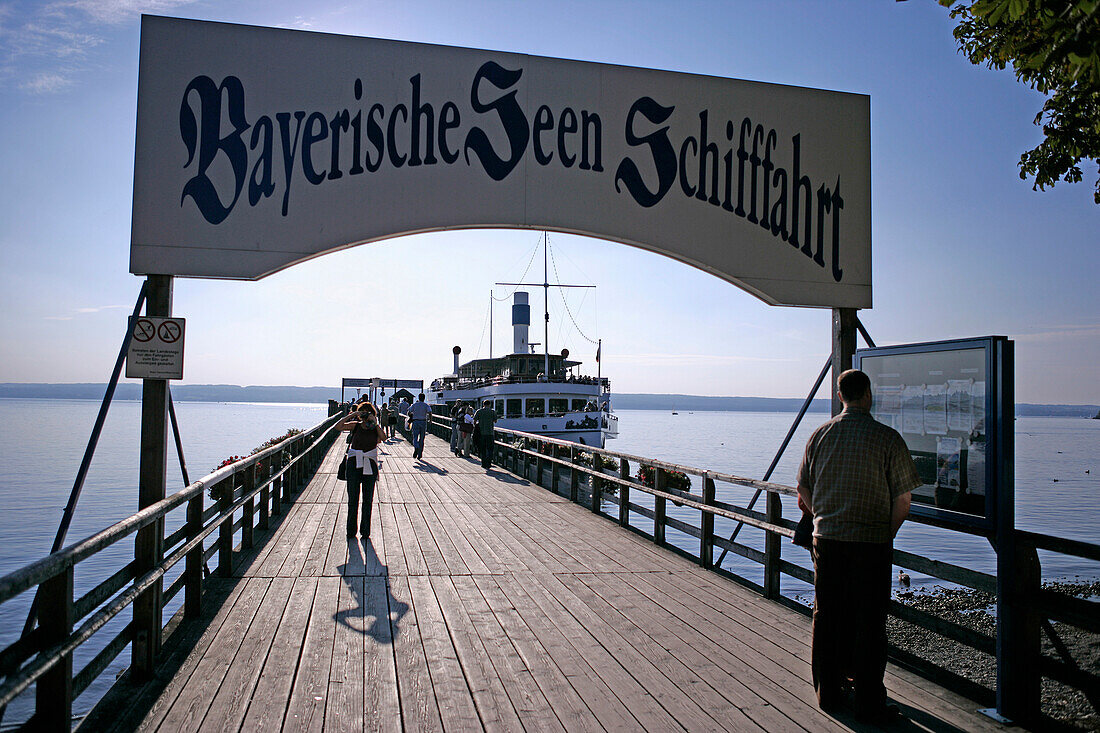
column 466, row 430
column 384, row 421
column 362, row 464
column 457, row 411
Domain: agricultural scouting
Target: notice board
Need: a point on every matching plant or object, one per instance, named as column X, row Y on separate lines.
column 952, row 403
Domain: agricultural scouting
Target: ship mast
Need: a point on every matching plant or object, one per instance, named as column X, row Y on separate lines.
column 545, row 284
column 545, row 311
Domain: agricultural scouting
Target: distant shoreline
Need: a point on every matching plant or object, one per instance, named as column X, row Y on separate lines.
column 626, row 401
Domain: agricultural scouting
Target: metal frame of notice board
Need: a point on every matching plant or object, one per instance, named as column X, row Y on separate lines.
column 953, row 403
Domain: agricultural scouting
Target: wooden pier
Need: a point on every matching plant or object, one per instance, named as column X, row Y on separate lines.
column 483, row 601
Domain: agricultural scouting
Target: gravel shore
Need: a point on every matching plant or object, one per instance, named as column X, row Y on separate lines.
column 976, row 610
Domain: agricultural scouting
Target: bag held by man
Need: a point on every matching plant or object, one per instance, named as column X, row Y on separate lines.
column 804, row 532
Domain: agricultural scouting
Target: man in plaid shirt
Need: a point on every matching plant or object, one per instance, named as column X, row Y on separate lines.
column 855, row 479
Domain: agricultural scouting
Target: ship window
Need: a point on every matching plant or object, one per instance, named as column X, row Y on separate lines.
column 499, row 407
column 515, row 408
column 536, row 407
column 559, row 406
column 578, row 405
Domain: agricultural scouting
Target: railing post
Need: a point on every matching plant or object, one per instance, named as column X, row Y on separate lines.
column 574, row 476
column 192, row 586
column 273, row 467
column 286, row 455
column 299, row 465
column 303, row 471
column 538, row 464
column 1019, row 640
column 772, row 547
column 624, row 494
column 225, row 529
column 295, row 466
column 248, row 482
column 54, row 690
column 288, row 477
column 554, row 469
column 597, row 484
column 262, row 472
column 659, row 503
column 706, row 525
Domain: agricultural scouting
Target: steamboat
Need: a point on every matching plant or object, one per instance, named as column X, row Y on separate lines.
column 537, row 393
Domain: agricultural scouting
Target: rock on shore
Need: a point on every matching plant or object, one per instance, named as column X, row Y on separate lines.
column 976, row 610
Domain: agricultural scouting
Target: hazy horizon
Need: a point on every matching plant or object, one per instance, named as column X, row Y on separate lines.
column 819, row 397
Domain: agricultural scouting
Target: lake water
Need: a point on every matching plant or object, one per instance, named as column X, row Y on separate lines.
column 44, row 441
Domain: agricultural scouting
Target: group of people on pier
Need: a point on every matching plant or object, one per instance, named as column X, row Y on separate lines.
column 369, row 427
column 476, row 427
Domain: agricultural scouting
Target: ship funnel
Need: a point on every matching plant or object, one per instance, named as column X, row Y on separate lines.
column 456, row 351
column 521, row 320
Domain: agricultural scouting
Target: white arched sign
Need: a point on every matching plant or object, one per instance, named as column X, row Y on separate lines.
column 258, row 148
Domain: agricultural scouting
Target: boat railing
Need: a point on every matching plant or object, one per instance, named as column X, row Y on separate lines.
column 245, row 494
column 479, row 382
column 601, row 480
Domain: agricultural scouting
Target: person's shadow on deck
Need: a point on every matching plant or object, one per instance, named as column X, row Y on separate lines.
column 380, row 612
column 504, row 476
column 424, row 467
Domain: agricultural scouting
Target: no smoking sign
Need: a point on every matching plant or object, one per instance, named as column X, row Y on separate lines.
column 156, row 348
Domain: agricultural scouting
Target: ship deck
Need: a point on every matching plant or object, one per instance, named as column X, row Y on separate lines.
column 482, row 601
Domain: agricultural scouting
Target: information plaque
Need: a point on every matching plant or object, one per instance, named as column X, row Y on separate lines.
column 156, row 348
column 952, row 402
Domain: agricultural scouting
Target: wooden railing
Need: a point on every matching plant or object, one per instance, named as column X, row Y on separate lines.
column 577, row 471
column 248, row 493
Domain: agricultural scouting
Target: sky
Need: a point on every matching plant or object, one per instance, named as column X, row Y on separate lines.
column 961, row 246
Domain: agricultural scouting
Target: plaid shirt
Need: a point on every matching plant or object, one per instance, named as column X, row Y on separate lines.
column 854, row 467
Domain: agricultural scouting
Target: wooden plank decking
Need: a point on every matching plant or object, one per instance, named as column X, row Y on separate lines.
column 481, row 601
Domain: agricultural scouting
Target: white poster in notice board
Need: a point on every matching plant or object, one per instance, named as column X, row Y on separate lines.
column 258, row 148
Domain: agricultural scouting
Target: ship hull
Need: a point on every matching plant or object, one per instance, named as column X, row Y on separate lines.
column 585, row 426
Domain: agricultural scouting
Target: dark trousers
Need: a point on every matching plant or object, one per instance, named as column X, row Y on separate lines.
column 357, row 480
column 851, row 597
column 419, row 429
column 485, row 449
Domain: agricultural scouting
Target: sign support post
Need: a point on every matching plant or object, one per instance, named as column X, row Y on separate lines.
column 1019, row 684
column 844, row 348
column 152, row 484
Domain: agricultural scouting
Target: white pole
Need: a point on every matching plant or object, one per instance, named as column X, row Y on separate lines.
column 546, row 309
